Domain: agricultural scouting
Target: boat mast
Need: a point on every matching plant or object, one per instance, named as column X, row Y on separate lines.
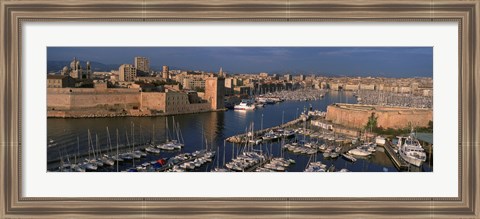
column 261, row 124
column 181, row 135
column 117, row 151
column 218, row 158
column 175, row 128
column 133, row 137
column 224, row 147
column 78, row 149
column 88, row 144
column 93, row 147
column 166, row 129
column 153, row 134
column 96, row 143
column 109, row 141
column 126, row 135
column 177, row 131
column 233, row 150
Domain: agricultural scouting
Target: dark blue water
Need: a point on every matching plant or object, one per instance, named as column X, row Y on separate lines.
column 199, row 131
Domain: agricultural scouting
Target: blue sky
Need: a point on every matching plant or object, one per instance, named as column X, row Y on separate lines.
column 349, row 61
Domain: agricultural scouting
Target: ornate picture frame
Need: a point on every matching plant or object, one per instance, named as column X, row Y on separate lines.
column 14, row 13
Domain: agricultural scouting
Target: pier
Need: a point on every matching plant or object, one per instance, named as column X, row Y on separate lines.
column 169, row 165
column 260, row 164
column 399, row 163
column 242, row 138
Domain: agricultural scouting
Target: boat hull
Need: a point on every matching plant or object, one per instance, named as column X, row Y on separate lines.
column 244, row 108
column 358, row 152
column 411, row 160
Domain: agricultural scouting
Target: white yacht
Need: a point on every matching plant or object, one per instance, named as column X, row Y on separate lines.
column 359, row 152
column 411, row 150
column 245, row 105
column 349, row 157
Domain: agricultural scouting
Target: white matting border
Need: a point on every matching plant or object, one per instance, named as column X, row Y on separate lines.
column 443, row 182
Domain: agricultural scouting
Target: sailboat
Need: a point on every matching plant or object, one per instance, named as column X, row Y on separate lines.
column 98, row 159
column 253, row 140
column 151, row 148
column 117, row 158
column 136, row 153
column 90, row 164
column 168, row 146
column 176, row 142
column 106, row 159
column 221, row 169
column 128, row 156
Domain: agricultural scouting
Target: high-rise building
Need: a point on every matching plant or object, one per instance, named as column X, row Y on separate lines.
column 165, row 72
column 215, row 92
column 301, row 77
column 288, row 77
column 142, row 64
column 127, row 72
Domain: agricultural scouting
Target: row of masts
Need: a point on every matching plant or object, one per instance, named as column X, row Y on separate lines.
column 385, row 98
column 95, row 157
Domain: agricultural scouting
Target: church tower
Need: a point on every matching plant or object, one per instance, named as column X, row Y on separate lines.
column 220, row 73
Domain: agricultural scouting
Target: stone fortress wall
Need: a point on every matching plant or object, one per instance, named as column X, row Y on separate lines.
column 84, row 98
column 88, row 102
column 356, row 116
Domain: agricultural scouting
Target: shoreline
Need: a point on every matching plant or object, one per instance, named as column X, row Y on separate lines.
column 68, row 114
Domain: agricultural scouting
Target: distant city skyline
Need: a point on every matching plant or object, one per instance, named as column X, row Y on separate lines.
column 340, row 61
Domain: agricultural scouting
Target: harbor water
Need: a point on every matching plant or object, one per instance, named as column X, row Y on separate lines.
column 70, row 137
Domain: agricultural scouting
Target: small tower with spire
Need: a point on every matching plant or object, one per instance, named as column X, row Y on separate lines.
column 220, row 73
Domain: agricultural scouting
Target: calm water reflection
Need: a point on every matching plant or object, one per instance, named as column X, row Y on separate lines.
column 199, row 130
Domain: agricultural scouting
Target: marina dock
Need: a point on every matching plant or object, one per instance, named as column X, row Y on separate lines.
column 399, row 163
column 169, row 166
column 241, row 138
column 254, row 167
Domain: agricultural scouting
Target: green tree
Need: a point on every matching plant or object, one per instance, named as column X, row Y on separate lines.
column 372, row 122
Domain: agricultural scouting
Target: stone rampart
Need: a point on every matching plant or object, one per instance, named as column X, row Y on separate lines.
column 356, row 116
column 88, row 102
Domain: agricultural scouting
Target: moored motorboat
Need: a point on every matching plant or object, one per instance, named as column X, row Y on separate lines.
column 245, row 105
column 411, row 151
column 359, row 152
column 349, row 157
